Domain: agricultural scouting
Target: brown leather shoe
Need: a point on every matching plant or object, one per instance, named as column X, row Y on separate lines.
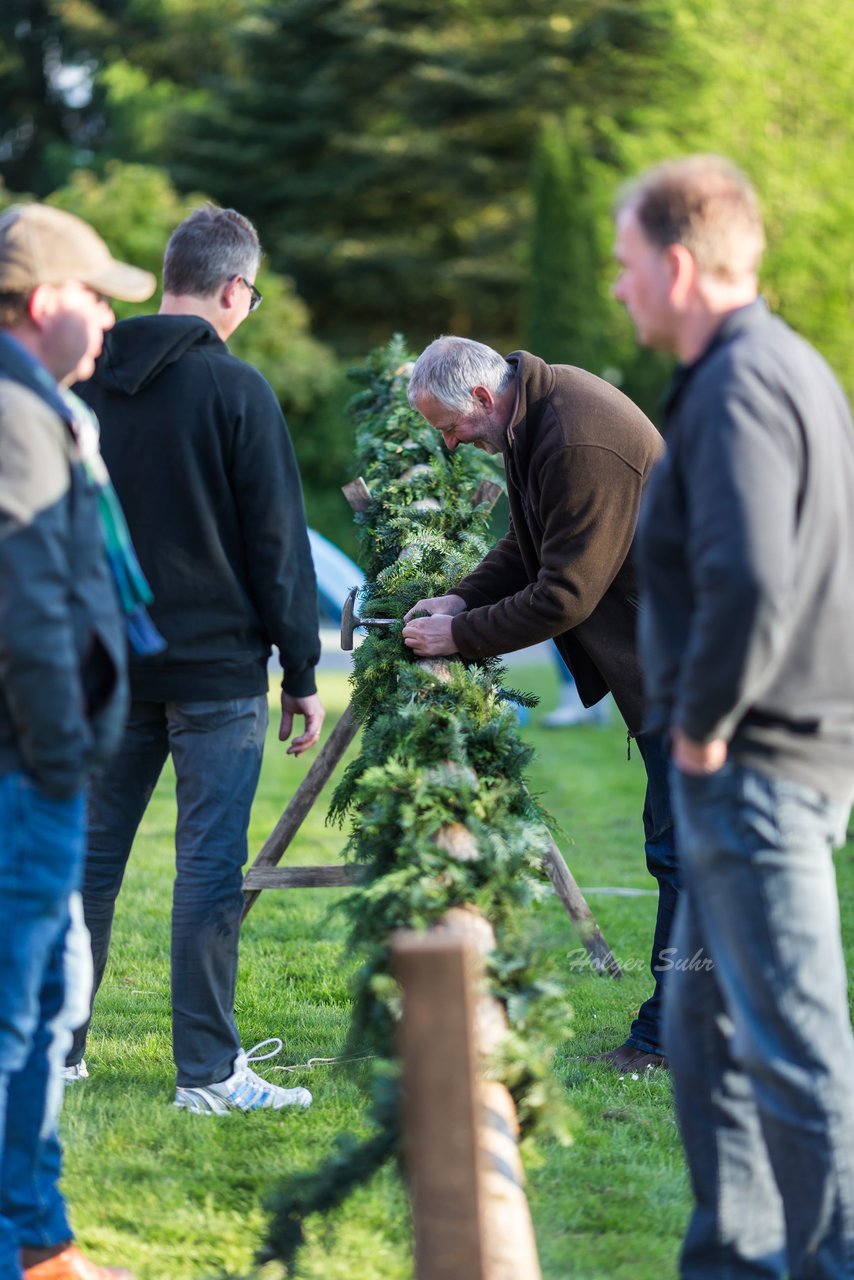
column 630, row 1061
column 71, row 1265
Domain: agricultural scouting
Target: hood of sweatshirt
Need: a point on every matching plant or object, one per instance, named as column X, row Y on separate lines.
column 137, row 350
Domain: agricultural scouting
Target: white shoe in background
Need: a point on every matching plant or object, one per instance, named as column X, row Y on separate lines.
column 571, row 710
column 78, row 1072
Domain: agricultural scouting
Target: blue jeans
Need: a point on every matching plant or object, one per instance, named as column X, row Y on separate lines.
column 758, row 1031
column 216, row 748
column 661, row 862
column 41, row 860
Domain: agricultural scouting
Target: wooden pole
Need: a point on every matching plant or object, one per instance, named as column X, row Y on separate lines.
column 357, row 494
column 511, row 1251
column 487, row 492
column 301, row 802
column 575, row 904
column 439, row 1058
column 470, row 1212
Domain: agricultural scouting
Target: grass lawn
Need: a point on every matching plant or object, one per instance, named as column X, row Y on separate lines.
column 181, row 1197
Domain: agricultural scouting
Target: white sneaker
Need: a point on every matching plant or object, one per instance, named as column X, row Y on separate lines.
column 78, row 1072
column 571, row 710
column 243, row 1090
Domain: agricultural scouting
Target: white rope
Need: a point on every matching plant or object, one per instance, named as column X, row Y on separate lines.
column 623, row 893
column 252, row 1055
column 325, row 1062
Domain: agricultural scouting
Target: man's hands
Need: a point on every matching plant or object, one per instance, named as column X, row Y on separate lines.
column 311, row 707
column 449, row 604
column 432, row 637
column 697, row 757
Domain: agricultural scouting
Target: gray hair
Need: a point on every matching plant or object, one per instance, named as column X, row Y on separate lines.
column 209, row 247
column 705, row 203
column 450, row 367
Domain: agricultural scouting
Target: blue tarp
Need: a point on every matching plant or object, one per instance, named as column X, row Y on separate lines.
column 336, row 573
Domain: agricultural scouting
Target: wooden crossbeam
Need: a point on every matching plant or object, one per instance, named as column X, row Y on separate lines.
column 575, row 904
column 258, row 878
column 265, row 873
column 300, row 805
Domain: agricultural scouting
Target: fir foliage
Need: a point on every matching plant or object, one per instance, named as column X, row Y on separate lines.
column 36, row 123
column 567, row 319
column 384, row 147
column 441, row 816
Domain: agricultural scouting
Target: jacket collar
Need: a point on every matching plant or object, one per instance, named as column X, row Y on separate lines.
column 741, row 320
column 534, row 384
column 17, row 364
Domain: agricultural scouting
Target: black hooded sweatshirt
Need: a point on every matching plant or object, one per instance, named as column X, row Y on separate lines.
column 202, row 461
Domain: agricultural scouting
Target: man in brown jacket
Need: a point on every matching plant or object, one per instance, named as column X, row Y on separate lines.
column 577, row 455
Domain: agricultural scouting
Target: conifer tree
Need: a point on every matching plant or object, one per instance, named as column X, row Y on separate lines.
column 567, row 321
column 36, row 124
column 384, row 146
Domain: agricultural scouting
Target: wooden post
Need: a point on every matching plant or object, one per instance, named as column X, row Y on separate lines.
column 300, row 804
column 471, row 1216
column 440, row 1104
column 487, row 492
column 337, row 876
column 357, row 494
column 511, row 1251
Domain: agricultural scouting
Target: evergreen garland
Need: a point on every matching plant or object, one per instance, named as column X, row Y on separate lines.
column 441, row 816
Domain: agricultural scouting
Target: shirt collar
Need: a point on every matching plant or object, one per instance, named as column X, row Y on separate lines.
column 734, row 322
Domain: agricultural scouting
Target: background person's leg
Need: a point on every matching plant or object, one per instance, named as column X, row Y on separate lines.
column 117, row 801
column 570, row 710
column 661, row 861
column 217, row 749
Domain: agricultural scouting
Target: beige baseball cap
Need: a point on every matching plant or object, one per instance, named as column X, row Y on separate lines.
column 42, row 245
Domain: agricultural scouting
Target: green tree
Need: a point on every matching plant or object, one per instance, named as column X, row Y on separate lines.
column 135, row 208
column 772, row 89
column 769, row 87
column 82, row 81
column 571, row 318
column 38, row 121
column 148, row 59
column 384, row 146
column 567, row 322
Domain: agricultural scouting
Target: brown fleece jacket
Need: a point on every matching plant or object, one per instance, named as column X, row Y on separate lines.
column 577, row 457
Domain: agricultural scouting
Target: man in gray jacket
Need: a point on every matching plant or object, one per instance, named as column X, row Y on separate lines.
column 746, row 543
column 63, row 695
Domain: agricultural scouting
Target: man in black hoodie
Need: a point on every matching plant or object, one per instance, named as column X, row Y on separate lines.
column 200, row 455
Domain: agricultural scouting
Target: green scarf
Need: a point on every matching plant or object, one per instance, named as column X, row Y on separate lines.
column 133, row 591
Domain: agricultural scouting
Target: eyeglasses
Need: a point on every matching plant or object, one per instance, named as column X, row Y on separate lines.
column 257, row 297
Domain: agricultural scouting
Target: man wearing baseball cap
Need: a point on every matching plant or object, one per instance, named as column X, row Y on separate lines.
column 62, row 702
